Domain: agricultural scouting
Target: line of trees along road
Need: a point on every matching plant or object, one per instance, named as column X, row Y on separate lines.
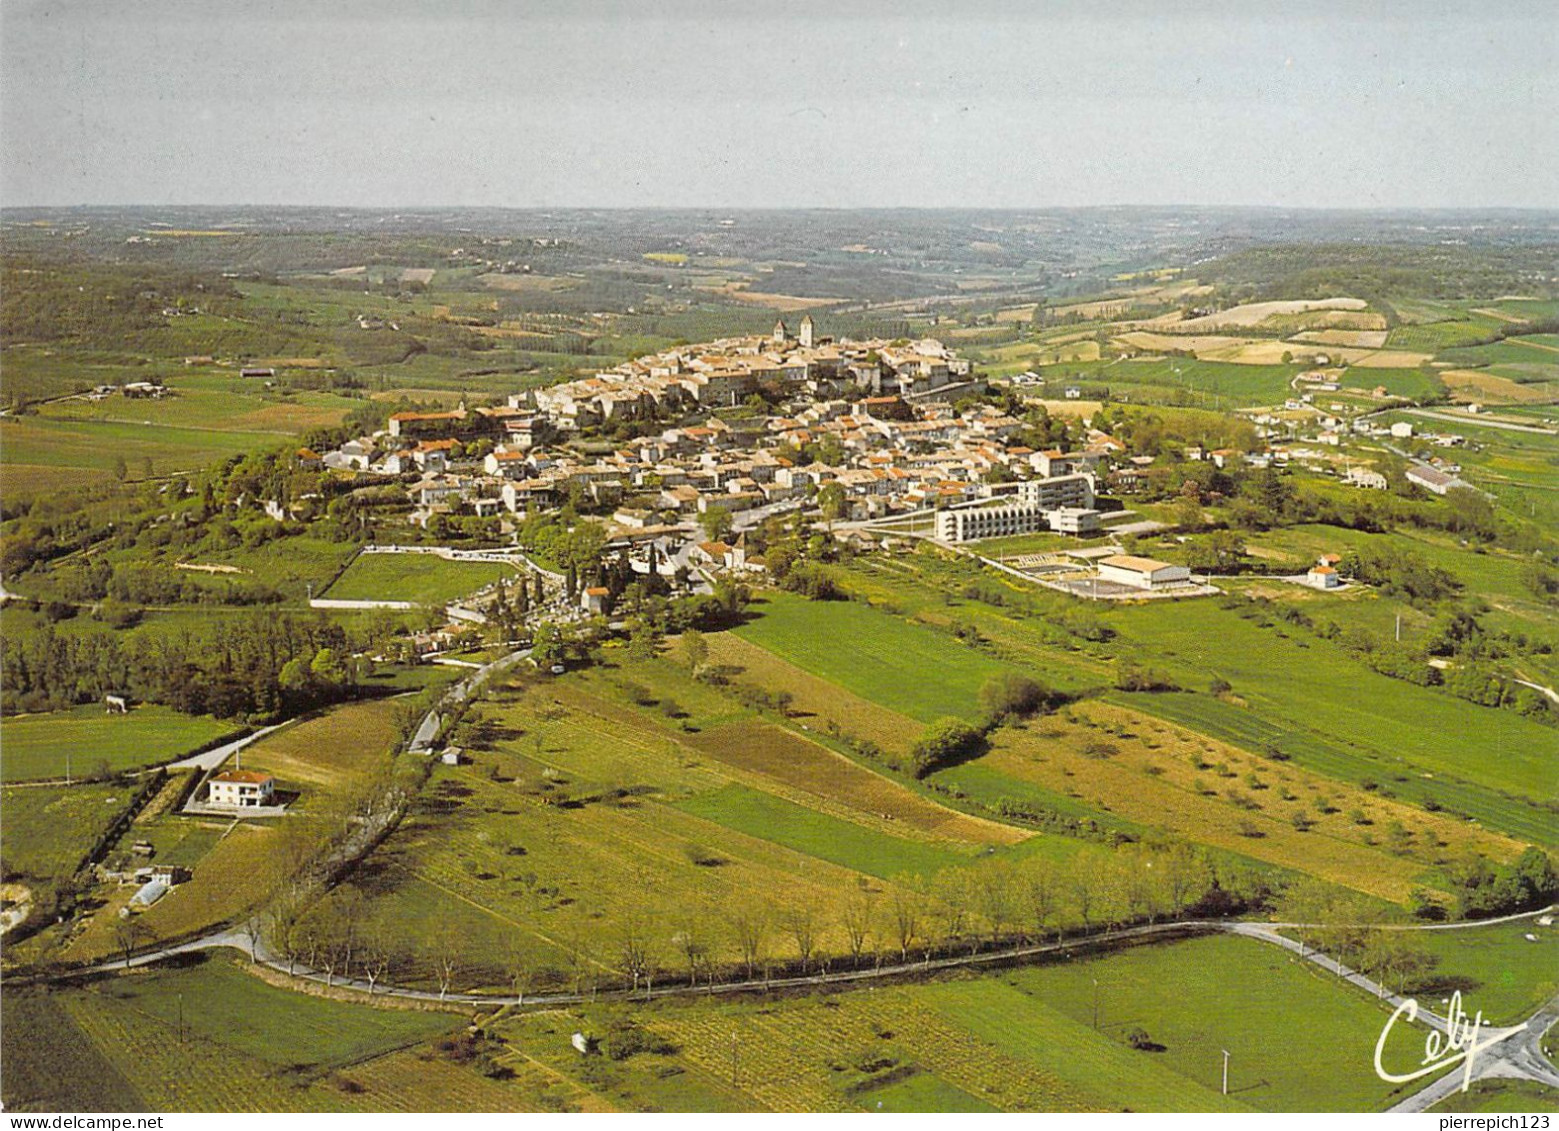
column 959, row 911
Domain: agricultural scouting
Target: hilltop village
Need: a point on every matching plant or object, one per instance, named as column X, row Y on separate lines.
column 684, row 451
column 875, row 418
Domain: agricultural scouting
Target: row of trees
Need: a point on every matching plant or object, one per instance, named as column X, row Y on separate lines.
column 959, row 911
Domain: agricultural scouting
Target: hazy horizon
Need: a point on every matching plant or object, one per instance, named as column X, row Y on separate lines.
column 1404, row 107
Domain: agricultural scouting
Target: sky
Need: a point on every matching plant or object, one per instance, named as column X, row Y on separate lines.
column 786, row 103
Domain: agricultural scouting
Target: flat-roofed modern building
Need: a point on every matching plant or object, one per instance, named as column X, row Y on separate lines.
column 1142, row 573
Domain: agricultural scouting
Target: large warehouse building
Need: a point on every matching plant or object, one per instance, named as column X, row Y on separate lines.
column 1142, row 573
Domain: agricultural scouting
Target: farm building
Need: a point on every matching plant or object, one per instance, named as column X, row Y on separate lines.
column 1435, row 482
column 1323, row 577
column 241, row 789
column 1142, row 573
column 150, row 892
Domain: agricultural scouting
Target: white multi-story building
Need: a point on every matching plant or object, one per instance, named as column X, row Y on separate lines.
column 1058, row 491
column 966, row 524
column 241, row 789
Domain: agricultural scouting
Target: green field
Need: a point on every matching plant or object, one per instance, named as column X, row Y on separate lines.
column 1199, row 997
column 207, row 1037
column 905, row 667
column 422, row 578
column 1498, row 969
column 221, row 403
column 1349, row 761
column 290, row 565
column 1521, row 1097
column 1227, row 384
column 1312, row 685
column 1019, row 1040
column 1431, row 337
column 52, row 1065
column 38, row 746
column 34, row 442
column 223, row 1004
column 46, row 830
column 922, row 1092
column 817, row 834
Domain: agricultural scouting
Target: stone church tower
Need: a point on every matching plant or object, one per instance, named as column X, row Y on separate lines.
column 807, row 332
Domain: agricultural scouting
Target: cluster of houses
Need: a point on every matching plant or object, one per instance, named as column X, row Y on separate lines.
column 727, row 371
column 130, row 390
column 874, row 417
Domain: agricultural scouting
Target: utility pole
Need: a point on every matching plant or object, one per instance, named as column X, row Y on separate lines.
column 1225, row 1071
column 733, row 1058
column 1399, row 628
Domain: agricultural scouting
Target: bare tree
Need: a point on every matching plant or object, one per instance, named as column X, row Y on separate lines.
column 447, row 962
column 635, row 947
column 281, row 928
column 1306, row 903
column 1185, row 876
column 997, row 900
column 689, row 939
column 906, row 922
column 1134, row 870
column 252, row 929
column 580, row 960
column 951, row 889
column 1082, row 883
column 374, row 958
column 130, row 933
column 857, row 917
column 801, row 924
column 1041, row 892
column 519, row 968
column 350, row 910
column 750, row 929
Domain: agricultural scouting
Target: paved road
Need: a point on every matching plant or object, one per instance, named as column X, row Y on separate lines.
column 1513, row 1053
column 214, row 757
column 1548, row 692
column 1479, row 420
column 427, row 730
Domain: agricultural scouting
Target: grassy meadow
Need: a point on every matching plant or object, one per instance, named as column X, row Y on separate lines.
column 425, row 579
column 118, row 1044
column 37, row 746
column 1021, row 1040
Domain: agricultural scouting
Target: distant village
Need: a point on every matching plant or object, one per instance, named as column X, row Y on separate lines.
column 880, row 409
column 878, row 416
column 758, row 426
